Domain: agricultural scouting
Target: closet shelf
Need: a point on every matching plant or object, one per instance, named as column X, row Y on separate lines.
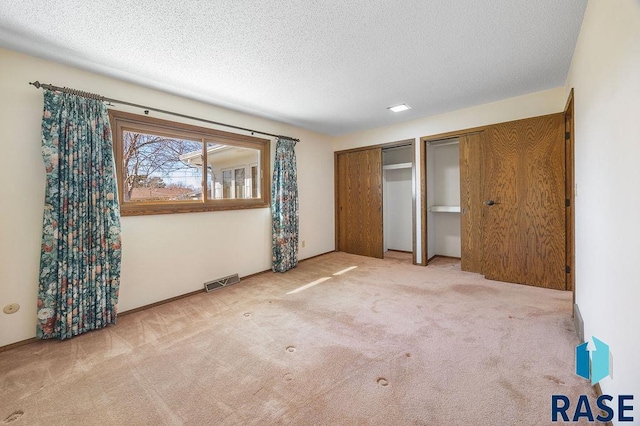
column 397, row 166
column 444, row 209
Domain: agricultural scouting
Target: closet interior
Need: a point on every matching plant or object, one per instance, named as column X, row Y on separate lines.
column 443, row 198
column 397, row 163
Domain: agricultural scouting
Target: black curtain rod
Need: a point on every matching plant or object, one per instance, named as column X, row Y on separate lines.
column 89, row 95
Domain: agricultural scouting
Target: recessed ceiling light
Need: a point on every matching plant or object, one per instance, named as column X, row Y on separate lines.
column 398, row 108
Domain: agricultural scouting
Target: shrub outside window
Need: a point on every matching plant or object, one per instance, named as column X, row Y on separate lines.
column 168, row 167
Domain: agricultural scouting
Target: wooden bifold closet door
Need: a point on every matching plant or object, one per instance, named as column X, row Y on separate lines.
column 471, row 243
column 359, row 198
column 524, row 202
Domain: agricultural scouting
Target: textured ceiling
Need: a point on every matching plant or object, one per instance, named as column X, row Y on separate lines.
column 332, row 66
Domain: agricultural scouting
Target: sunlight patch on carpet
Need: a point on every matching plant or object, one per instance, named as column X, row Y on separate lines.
column 345, row 270
column 311, row 284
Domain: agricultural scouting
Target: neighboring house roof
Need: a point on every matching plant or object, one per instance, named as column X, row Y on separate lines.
column 217, row 154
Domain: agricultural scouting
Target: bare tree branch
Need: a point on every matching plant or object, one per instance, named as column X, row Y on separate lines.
column 150, row 158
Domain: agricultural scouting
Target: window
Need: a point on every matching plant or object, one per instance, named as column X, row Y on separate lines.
column 227, row 184
column 167, row 167
column 254, row 181
column 239, row 181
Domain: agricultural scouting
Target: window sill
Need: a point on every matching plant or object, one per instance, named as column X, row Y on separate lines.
column 143, row 209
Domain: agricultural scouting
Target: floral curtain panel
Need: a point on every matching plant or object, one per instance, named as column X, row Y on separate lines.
column 284, row 207
column 80, row 258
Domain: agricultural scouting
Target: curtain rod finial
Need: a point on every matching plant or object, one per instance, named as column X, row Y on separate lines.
column 36, row 84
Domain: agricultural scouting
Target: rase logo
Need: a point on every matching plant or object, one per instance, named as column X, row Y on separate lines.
column 592, row 363
column 596, row 366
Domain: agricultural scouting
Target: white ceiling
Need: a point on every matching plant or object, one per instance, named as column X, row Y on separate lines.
column 332, row 66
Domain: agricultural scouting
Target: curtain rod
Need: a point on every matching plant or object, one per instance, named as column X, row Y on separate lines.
column 89, row 95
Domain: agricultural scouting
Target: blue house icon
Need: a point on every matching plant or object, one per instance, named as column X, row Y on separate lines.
column 596, row 365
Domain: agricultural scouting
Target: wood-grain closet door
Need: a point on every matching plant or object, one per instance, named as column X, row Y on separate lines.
column 524, row 202
column 471, row 210
column 359, row 209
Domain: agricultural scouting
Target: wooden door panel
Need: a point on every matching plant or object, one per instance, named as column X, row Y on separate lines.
column 342, row 214
column 471, row 202
column 524, row 174
column 370, row 212
column 501, row 221
column 360, row 202
column 569, row 185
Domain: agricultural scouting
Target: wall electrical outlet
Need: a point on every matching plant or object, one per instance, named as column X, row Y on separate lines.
column 304, row 243
column 11, row 308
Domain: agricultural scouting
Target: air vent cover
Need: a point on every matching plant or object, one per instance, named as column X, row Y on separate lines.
column 221, row 282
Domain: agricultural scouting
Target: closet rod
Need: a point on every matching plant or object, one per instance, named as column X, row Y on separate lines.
column 445, row 143
column 391, row 148
column 89, row 95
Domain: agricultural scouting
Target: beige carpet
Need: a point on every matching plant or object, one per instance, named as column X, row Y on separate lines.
column 384, row 343
column 399, row 256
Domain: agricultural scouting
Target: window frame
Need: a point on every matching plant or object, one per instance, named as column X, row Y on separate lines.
column 124, row 121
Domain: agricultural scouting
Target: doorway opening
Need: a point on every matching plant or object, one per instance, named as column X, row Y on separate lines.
column 443, row 199
column 397, row 190
column 376, row 200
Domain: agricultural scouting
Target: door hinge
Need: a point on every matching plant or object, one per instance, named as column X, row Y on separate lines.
column 567, row 203
column 567, row 269
column 567, row 135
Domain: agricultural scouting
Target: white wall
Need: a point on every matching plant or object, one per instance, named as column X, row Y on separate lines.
column 397, row 200
column 605, row 73
column 446, row 192
column 397, row 155
column 430, row 201
column 398, row 220
column 163, row 255
column 531, row 105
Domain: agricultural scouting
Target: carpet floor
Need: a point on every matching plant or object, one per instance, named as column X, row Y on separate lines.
column 373, row 342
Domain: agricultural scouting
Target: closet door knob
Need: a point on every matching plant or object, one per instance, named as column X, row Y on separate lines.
column 490, row 202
